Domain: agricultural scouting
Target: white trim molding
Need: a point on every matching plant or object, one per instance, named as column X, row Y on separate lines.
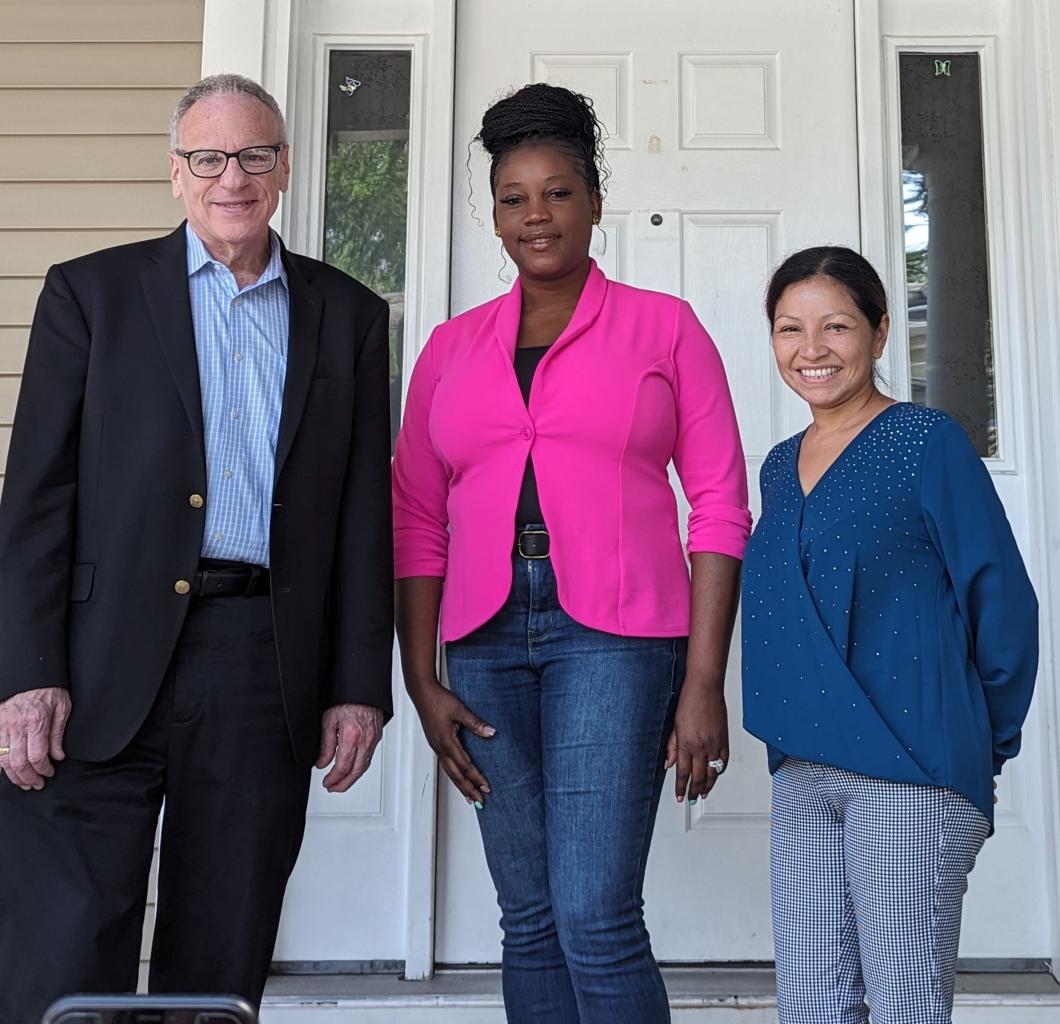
column 1036, row 24
column 233, row 38
column 284, row 45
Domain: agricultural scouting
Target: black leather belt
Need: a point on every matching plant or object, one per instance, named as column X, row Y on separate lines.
column 532, row 543
column 230, row 579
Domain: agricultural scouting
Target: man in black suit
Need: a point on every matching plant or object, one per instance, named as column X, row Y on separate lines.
column 195, row 579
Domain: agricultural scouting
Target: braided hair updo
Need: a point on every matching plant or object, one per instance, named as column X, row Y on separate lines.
column 546, row 113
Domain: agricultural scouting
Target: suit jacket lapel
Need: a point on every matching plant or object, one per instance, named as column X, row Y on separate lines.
column 165, row 285
column 303, row 340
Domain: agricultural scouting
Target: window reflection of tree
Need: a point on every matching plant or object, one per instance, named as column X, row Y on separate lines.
column 366, row 182
column 947, row 283
column 365, row 215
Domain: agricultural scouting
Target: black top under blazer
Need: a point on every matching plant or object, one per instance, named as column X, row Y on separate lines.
column 95, row 521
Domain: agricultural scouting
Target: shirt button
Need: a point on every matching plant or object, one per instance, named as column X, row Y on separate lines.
column 182, row 587
column 526, row 433
column 235, row 414
column 239, row 357
column 228, row 474
column 217, row 535
column 237, row 302
column 196, row 500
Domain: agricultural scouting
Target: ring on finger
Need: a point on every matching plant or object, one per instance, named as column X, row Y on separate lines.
column 717, row 763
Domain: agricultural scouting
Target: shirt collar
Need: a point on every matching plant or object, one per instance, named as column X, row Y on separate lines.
column 198, row 257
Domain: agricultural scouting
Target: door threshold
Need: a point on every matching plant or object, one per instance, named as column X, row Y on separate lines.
column 709, row 994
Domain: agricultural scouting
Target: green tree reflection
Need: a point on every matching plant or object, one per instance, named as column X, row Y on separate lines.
column 365, row 216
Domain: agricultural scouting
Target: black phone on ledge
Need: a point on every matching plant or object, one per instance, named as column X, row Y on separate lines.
column 153, row 1009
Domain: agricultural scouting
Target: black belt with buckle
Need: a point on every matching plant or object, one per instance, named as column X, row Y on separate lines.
column 532, row 543
column 230, row 579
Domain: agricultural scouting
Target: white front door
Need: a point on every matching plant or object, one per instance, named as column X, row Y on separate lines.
column 732, row 141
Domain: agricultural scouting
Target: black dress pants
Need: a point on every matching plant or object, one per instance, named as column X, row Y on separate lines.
column 75, row 856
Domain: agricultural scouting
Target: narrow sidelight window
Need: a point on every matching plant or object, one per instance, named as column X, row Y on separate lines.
column 951, row 351
column 367, row 182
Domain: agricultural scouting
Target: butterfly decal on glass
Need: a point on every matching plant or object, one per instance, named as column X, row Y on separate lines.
column 351, row 85
column 942, row 67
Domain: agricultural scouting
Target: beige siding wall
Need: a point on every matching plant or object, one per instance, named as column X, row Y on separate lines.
column 86, row 90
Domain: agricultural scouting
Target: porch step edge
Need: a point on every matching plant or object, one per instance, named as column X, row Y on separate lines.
column 690, row 989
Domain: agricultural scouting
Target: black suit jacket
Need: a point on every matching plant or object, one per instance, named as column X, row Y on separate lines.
column 96, row 526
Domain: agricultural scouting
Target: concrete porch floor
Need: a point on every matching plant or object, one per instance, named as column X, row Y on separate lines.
column 698, row 995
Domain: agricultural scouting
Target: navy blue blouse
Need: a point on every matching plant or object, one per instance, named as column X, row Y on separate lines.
column 889, row 627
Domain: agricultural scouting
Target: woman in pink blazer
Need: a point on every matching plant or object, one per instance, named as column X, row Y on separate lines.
column 533, row 516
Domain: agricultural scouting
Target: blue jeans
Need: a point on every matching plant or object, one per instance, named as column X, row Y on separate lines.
column 575, row 770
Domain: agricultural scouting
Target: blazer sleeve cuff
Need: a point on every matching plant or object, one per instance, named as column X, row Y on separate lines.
column 722, row 532
column 412, row 565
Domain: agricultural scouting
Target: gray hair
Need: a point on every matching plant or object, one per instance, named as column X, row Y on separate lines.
column 225, row 84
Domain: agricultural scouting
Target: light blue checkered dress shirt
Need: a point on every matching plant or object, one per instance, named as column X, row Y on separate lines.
column 241, row 341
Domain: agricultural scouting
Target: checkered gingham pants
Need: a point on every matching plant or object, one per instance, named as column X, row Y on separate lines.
column 868, row 877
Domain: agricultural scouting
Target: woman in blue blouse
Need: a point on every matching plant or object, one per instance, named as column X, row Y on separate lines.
column 890, row 648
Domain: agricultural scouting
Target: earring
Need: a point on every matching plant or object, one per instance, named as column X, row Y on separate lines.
column 497, row 232
column 598, row 249
column 504, row 275
column 596, row 219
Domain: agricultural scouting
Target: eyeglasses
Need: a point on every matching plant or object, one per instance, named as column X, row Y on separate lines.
column 212, row 163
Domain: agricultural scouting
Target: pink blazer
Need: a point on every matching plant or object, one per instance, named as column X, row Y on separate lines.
column 633, row 382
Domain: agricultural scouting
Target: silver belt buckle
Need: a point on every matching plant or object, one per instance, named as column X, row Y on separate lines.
column 531, row 533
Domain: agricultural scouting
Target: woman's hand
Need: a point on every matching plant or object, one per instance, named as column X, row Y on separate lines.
column 701, row 734
column 443, row 715
column 701, row 725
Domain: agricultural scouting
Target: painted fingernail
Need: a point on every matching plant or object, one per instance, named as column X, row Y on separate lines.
column 478, row 805
column 692, row 800
column 485, row 789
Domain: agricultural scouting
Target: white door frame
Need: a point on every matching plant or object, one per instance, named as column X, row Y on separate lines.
column 254, row 38
column 1018, row 125
column 1037, row 118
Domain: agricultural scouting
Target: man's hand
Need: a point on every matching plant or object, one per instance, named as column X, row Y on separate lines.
column 32, row 724
column 350, row 735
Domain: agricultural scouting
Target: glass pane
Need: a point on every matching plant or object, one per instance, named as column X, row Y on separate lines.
column 947, row 275
column 366, row 188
